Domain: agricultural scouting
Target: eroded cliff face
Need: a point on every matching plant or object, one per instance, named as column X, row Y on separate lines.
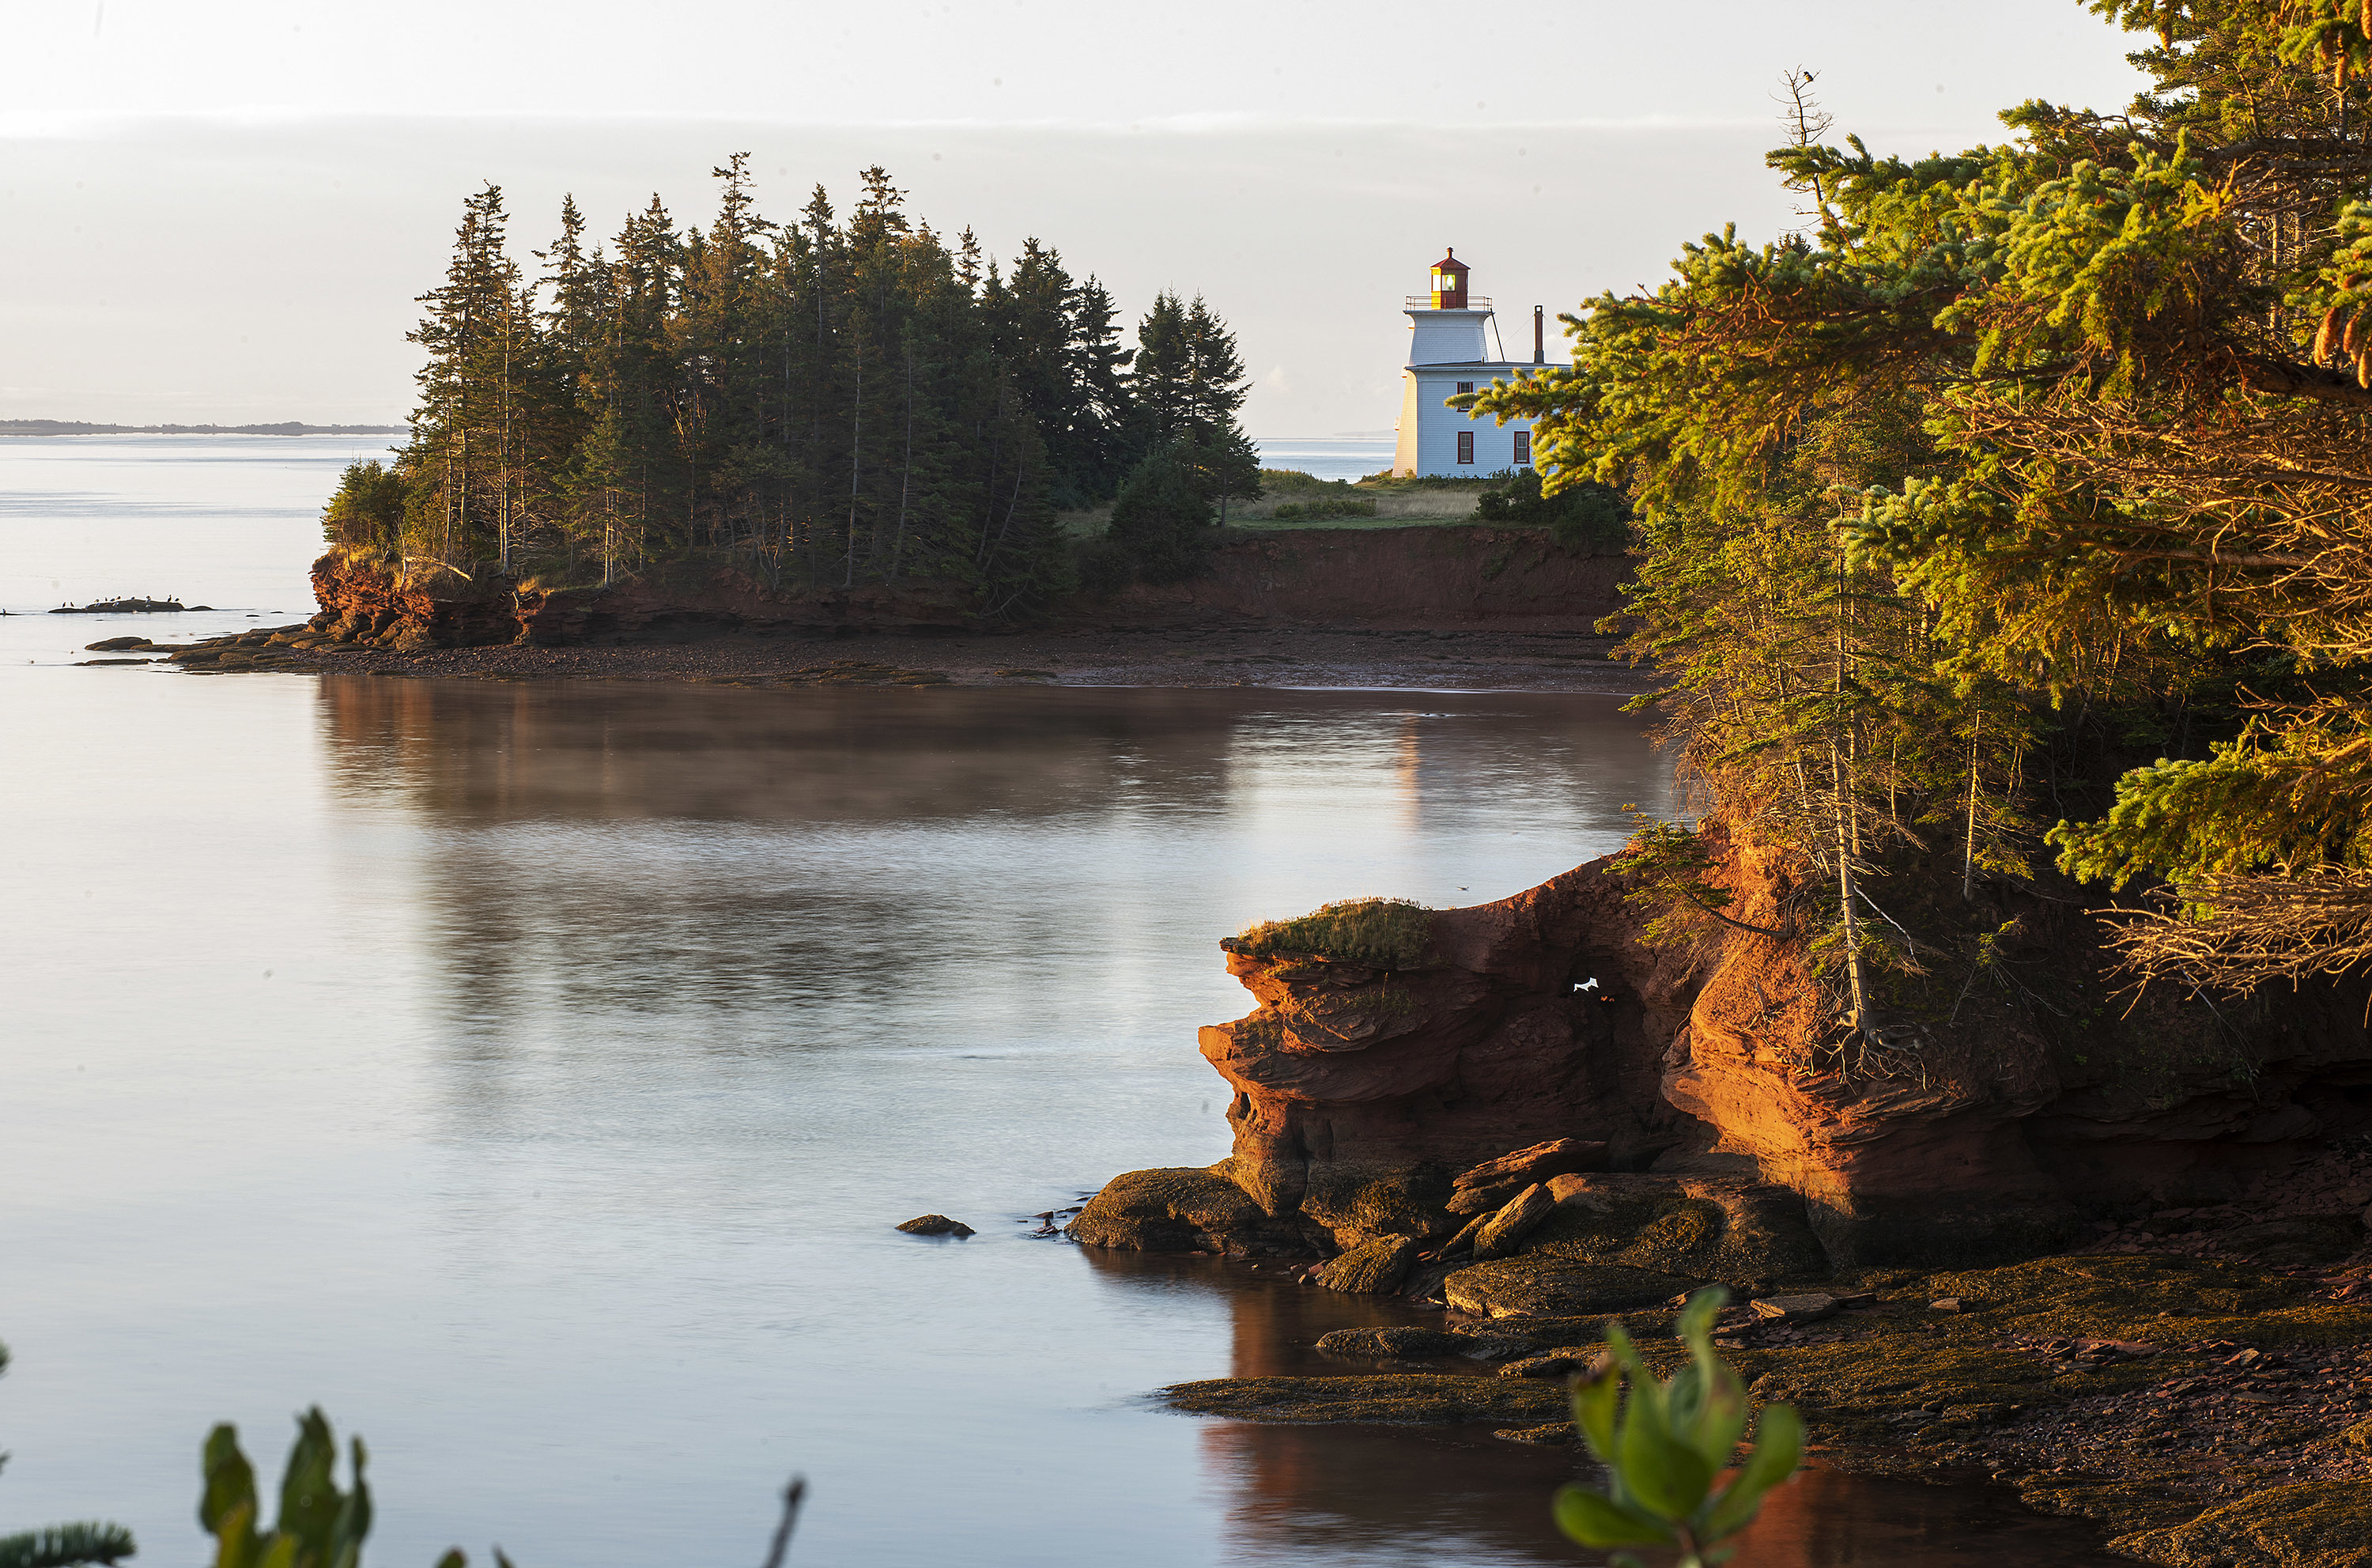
column 1413, row 578
column 1360, row 1092
column 366, row 598
column 2035, row 1093
column 1418, row 578
column 2030, row 1099
column 1923, row 1154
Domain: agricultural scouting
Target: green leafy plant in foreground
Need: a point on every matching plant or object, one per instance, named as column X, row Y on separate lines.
column 319, row 1526
column 1665, row 1446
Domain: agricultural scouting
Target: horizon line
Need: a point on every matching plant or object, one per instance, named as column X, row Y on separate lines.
column 65, row 125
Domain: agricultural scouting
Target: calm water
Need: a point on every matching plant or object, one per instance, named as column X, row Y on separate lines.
column 1335, row 457
column 531, row 1074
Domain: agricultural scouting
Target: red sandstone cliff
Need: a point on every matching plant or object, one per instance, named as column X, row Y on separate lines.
column 2034, row 1100
column 1348, row 1075
column 1414, row 578
column 364, row 597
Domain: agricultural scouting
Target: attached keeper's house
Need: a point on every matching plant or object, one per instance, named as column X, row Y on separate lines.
column 1452, row 335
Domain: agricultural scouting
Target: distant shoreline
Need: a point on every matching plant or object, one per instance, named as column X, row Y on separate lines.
column 290, row 427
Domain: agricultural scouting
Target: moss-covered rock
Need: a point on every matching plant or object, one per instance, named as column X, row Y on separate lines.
column 1404, row 1397
column 1373, row 1267
column 2137, row 1440
column 1564, row 1362
column 1394, row 1342
column 1491, row 1183
column 2153, row 1298
column 1184, row 1209
column 2135, row 1500
column 2307, row 1239
column 1504, row 1231
column 1548, row 1333
column 2318, row 1525
column 1538, row 1285
column 1356, row 1207
column 1737, row 1230
column 1391, row 933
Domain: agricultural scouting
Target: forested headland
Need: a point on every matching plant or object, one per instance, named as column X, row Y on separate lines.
column 825, row 402
column 2014, row 518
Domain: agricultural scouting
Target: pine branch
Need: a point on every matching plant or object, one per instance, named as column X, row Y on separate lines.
column 66, row 1545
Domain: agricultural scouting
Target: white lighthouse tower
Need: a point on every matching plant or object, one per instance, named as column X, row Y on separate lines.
column 1452, row 334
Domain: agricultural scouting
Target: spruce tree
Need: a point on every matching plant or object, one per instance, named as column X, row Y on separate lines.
column 1161, row 519
column 1161, row 375
column 825, row 404
column 1099, row 367
column 460, row 434
column 2132, row 352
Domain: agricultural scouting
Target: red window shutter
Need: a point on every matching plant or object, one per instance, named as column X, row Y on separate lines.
column 1465, row 445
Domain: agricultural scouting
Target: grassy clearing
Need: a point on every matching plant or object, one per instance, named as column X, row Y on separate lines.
column 1387, row 932
column 1397, row 503
column 1284, row 525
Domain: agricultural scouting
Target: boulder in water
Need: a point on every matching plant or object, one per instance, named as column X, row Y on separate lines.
column 124, row 606
column 936, row 1225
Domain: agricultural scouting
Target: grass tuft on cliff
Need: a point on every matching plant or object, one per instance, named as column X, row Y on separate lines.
column 1390, row 934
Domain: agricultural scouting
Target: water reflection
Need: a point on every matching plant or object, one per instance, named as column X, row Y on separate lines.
column 798, row 947
column 556, row 1059
column 1387, row 1495
column 926, row 864
column 1382, row 1494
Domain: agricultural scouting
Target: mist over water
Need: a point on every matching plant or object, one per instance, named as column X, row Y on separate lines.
column 531, row 1074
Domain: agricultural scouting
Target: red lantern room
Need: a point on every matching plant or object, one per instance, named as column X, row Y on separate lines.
column 1449, row 282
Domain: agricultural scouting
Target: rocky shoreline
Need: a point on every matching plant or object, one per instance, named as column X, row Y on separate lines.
column 2077, row 1252
column 2196, row 1409
column 1455, row 606
column 1441, row 660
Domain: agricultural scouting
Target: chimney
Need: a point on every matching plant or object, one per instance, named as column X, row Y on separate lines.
column 1539, row 337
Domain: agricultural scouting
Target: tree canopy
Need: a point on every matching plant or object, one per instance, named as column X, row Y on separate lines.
column 2040, row 454
column 828, row 401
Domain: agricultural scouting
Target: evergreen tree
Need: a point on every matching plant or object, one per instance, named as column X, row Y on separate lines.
column 1161, row 519
column 1189, row 383
column 368, row 508
column 1160, row 379
column 1099, row 367
column 825, row 404
column 461, row 432
column 2123, row 360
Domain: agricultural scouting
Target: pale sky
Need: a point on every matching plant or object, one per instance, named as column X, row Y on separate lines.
column 212, row 210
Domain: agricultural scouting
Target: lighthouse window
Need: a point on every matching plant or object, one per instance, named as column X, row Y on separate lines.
column 1465, row 445
column 1466, row 386
column 1523, row 447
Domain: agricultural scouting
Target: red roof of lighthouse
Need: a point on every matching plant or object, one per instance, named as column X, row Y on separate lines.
column 1450, row 263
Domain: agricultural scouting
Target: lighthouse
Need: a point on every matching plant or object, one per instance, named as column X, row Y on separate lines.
column 1451, row 335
